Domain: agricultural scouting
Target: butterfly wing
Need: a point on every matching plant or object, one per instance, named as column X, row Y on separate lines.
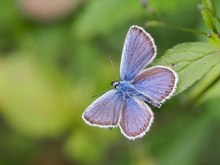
column 105, row 111
column 139, row 50
column 159, row 83
column 136, row 118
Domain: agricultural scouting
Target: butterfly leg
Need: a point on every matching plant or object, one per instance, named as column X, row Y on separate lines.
column 149, row 100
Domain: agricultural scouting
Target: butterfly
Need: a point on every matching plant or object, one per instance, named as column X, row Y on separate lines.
column 126, row 104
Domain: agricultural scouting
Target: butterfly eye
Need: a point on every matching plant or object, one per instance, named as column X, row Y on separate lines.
column 114, row 83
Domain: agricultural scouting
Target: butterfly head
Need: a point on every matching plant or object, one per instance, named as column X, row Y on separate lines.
column 115, row 84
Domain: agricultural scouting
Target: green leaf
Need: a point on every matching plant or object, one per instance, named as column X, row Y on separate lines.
column 212, row 93
column 207, row 87
column 208, row 14
column 214, row 40
column 191, row 61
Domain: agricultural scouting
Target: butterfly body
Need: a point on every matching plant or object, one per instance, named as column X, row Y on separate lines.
column 128, row 89
column 125, row 87
column 125, row 105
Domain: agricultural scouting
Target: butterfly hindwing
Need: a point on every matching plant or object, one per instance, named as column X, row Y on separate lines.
column 136, row 118
column 105, row 111
column 139, row 50
column 159, row 83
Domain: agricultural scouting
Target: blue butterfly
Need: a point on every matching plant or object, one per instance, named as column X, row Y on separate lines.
column 125, row 105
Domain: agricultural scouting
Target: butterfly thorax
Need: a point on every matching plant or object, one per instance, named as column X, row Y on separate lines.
column 125, row 87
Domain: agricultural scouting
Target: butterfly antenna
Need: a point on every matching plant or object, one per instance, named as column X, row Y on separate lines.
column 100, row 93
column 116, row 73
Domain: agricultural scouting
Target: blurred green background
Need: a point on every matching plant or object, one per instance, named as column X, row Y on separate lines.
column 54, row 58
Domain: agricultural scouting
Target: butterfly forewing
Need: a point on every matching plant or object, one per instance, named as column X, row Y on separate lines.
column 136, row 118
column 158, row 83
column 105, row 111
column 138, row 51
